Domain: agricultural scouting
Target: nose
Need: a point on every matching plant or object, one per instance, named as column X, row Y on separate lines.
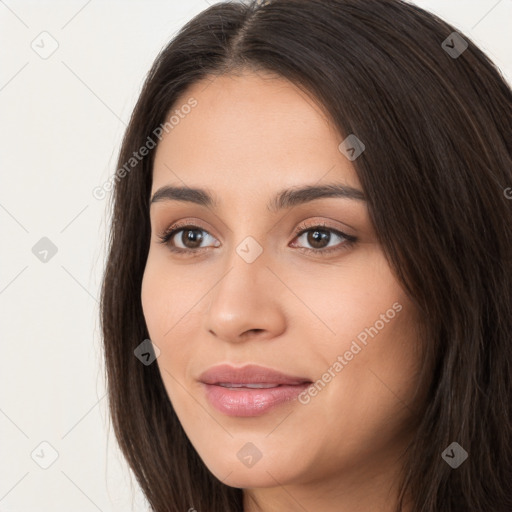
column 246, row 302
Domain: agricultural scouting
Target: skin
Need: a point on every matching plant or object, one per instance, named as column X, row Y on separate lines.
column 250, row 136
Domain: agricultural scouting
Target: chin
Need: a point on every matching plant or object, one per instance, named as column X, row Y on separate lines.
column 246, row 479
column 261, row 475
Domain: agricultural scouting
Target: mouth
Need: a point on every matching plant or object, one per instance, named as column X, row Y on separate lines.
column 248, row 385
column 251, row 390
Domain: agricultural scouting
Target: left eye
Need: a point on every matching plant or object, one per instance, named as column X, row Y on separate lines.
column 319, row 238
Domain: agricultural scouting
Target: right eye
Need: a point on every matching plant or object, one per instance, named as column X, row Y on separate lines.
column 191, row 238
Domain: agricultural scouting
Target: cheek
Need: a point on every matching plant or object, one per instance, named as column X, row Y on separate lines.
column 154, row 306
column 383, row 372
column 367, row 406
column 377, row 339
column 168, row 308
column 351, row 300
column 376, row 336
column 163, row 296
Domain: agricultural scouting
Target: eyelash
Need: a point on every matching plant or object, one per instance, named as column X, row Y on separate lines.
column 166, row 236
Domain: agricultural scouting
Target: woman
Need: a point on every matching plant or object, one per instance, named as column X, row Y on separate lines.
column 307, row 300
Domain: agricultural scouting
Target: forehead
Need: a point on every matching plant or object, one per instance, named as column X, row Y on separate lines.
column 249, row 131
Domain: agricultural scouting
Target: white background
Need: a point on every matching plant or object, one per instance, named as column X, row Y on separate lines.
column 61, row 122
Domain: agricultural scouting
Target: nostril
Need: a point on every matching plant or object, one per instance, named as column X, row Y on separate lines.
column 252, row 331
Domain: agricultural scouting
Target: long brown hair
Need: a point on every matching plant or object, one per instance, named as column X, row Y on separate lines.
column 436, row 171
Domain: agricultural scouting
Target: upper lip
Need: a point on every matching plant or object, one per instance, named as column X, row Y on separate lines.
column 249, row 374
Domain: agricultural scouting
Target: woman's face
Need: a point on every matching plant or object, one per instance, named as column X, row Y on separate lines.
column 319, row 306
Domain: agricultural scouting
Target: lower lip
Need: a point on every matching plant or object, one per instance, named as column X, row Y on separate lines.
column 250, row 402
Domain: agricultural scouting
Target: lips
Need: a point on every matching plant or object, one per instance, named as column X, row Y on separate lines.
column 250, row 374
column 251, row 390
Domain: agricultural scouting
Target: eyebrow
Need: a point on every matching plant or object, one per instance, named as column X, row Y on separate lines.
column 284, row 199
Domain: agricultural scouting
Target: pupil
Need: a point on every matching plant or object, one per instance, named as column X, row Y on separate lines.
column 316, row 237
column 192, row 235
